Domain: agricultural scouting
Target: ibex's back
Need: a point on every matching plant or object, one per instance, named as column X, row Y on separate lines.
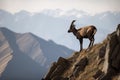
column 87, row 31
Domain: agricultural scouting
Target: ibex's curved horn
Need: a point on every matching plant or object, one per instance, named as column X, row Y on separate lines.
column 71, row 26
column 73, row 21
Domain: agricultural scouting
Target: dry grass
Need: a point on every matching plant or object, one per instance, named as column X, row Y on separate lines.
column 92, row 66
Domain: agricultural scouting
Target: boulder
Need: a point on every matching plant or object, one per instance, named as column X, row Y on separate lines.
column 52, row 68
column 102, row 52
column 118, row 32
column 57, row 69
column 80, row 66
column 112, row 56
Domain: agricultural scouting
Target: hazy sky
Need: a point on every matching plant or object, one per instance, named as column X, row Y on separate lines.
column 70, row 9
column 90, row 6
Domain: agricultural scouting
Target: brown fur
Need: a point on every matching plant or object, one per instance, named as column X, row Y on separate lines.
column 84, row 32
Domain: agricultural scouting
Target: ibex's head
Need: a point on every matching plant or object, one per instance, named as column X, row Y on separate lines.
column 72, row 26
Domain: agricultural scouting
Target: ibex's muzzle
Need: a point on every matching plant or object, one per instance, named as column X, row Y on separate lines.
column 69, row 31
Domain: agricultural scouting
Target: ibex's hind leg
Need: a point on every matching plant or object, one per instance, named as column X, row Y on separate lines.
column 81, row 43
column 91, row 42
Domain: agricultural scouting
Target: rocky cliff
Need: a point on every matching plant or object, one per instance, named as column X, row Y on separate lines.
column 100, row 62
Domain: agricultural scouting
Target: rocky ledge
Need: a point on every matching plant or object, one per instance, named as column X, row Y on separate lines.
column 100, row 62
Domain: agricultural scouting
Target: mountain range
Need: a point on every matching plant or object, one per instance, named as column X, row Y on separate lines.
column 49, row 22
column 24, row 56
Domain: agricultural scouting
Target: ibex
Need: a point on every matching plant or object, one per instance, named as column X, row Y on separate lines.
column 84, row 32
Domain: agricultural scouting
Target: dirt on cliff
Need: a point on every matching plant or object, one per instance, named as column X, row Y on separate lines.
column 100, row 62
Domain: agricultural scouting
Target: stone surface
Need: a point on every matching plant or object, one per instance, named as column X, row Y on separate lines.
column 80, row 66
column 57, row 69
column 113, row 56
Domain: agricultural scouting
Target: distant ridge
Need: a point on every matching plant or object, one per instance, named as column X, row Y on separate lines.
column 52, row 24
column 26, row 56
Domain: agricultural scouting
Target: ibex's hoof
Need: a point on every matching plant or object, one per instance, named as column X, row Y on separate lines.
column 88, row 49
column 80, row 51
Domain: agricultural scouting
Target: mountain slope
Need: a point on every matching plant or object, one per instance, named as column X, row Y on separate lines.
column 100, row 62
column 5, row 52
column 30, row 55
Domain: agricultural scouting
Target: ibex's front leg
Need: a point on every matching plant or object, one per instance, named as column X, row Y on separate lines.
column 81, row 43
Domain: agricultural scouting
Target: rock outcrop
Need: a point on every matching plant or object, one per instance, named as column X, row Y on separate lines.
column 100, row 62
column 111, row 65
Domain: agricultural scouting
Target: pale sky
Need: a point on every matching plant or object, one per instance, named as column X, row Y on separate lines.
column 87, row 6
column 90, row 6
